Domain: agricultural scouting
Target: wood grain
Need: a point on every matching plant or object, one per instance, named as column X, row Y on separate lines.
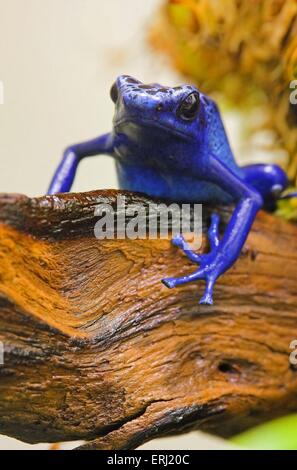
column 96, row 348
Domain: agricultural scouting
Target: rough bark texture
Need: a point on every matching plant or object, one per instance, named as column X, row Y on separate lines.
column 96, row 348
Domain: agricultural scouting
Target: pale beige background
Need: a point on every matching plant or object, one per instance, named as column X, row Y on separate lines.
column 58, row 59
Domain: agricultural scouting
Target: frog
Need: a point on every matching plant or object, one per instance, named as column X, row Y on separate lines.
column 170, row 143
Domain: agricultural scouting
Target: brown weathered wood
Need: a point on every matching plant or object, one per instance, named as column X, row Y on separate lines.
column 96, row 348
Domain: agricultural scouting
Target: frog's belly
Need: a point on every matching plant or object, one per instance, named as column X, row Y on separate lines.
column 169, row 186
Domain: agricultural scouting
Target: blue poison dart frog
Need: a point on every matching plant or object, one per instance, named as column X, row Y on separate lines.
column 171, row 143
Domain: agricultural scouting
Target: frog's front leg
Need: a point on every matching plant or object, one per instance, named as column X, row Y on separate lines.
column 65, row 173
column 224, row 252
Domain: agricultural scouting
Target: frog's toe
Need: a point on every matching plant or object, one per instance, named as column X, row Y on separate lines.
column 213, row 231
column 206, row 299
column 169, row 282
column 178, row 241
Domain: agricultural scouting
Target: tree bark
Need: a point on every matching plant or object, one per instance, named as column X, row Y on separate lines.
column 96, row 348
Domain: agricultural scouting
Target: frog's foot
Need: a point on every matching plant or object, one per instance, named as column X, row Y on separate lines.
column 209, row 271
column 169, row 282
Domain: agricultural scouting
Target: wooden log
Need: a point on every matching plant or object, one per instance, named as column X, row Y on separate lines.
column 96, row 348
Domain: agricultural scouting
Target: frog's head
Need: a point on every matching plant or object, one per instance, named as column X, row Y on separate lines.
column 155, row 111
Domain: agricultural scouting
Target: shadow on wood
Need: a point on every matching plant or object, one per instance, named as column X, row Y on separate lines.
column 96, row 348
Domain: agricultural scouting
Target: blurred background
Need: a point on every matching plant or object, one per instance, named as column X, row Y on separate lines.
column 58, row 59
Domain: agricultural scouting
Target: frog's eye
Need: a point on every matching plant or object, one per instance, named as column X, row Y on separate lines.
column 114, row 92
column 189, row 107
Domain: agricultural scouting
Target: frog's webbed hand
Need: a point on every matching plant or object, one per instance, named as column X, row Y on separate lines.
column 224, row 252
column 203, row 260
column 65, row 173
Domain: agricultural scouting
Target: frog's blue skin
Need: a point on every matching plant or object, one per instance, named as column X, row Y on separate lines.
column 162, row 154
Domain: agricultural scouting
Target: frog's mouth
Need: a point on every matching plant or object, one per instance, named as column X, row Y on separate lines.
column 138, row 123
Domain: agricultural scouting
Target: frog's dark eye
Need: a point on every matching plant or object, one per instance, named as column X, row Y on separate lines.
column 114, row 92
column 189, row 107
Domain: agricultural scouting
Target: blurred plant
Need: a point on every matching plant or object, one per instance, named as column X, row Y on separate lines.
column 247, row 50
column 287, row 209
column 280, row 434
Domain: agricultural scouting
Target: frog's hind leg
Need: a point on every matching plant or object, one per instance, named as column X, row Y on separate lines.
column 269, row 180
